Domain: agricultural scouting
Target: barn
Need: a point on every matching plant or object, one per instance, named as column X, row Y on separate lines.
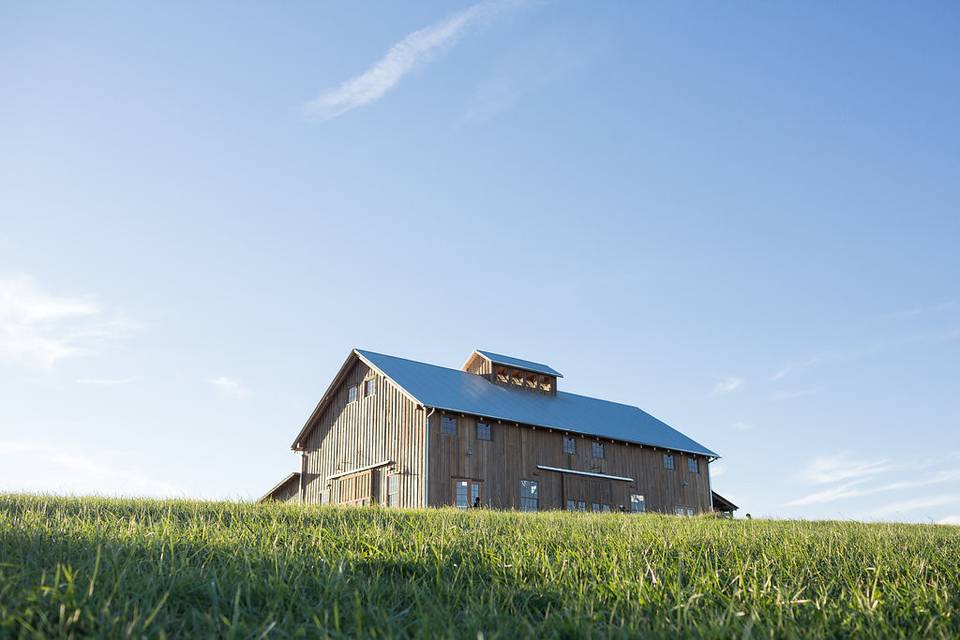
column 497, row 433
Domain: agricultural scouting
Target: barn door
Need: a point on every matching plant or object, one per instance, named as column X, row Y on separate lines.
column 356, row 489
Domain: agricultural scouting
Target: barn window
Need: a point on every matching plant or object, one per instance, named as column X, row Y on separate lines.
column 598, row 450
column 352, row 393
column 393, row 490
column 462, row 499
column 369, row 387
column 595, row 507
column 637, row 503
column 605, row 508
column 691, row 512
column 448, row 425
column 680, row 511
column 569, row 444
column 668, row 461
column 529, row 495
column 571, row 505
column 581, row 505
column 483, row 431
column 693, row 465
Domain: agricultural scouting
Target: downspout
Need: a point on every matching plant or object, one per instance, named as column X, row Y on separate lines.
column 426, row 459
column 303, row 477
column 709, row 484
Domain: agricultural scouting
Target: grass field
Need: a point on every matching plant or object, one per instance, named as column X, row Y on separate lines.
column 96, row 567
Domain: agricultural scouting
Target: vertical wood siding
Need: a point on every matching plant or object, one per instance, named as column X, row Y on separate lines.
column 367, row 431
column 515, row 451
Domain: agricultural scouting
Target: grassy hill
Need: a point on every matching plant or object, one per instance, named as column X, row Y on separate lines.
column 97, row 567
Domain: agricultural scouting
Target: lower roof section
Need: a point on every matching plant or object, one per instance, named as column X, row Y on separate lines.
column 461, row 392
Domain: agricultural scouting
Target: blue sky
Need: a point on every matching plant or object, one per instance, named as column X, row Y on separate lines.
column 744, row 219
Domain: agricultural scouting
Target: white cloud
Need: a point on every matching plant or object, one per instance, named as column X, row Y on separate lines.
column 839, row 467
column 229, row 387
column 413, row 50
column 37, row 467
column 105, row 381
column 40, row 329
column 856, row 488
column 950, row 520
column 725, row 386
column 847, row 490
column 914, row 504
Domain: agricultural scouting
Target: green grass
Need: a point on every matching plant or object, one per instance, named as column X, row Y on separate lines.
column 111, row 568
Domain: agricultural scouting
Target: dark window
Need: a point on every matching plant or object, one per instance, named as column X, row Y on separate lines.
column 351, row 393
column 598, row 450
column 581, row 505
column 637, row 503
column 693, row 465
column 448, row 425
column 691, row 512
column 605, row 508
column 369, row 387
column 483, row 431
column 529, row 495
column 571, row 505
column 393, row 491
column 569, row 444
column 595, row 507
column 680, row 511
column 668, row 461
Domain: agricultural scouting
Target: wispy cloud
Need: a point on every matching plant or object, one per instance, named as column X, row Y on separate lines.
column 913, row 312
column 856, row 489
column 35, row 466
column 743, row 426
column 413, row 50
column 790, row 367
column 726, row 386
column 913, row 504
column 798, row 393
column 106, row 382
column 950, row 520
column 840, row 467
column 228, row 387
column 40, row 328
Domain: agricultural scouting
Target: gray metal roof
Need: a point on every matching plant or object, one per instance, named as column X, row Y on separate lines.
column 526, row 365
column 462, row 392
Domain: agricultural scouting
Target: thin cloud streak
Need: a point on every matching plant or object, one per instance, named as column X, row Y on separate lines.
column 106, row 382
column 840, row 467
column 416, row 49
column 229, row 387
column 914, row 504
column 39, row 467
column 726, row 386
column 856, row 490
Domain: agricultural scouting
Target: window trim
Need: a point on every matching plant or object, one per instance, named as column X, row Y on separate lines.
column 593, row 450
column 444, row 421
column 535, row 498
column 489, row 430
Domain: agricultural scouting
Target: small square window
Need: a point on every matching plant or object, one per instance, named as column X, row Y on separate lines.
column 448, row 425
column 598, row 450
column 483, row 431
column 668, row 461
column 637, row 503
column 691, row 512
column 571, row 505
column 680, row 511
column 693, row 465
column 569, row 444
column 605, row 508
column 369, row 387
column 581, row 505
column 351, row 393
column 595, row 507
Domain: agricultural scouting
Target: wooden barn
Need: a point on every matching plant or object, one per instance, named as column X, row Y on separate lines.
column 496, row 433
